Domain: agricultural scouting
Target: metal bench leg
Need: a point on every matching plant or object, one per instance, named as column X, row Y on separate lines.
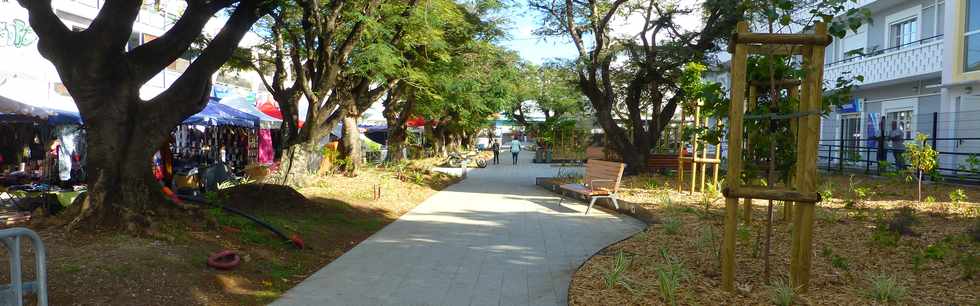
column 615, row 201
column 590, row 205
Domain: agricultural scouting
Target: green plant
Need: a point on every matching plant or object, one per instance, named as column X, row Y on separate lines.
column 828, row 215
column 886, row 168
column 885, row 289
column 917, row 260
column 839, row 262
column 957, row 196
column 930, row 199
column 672, row 225
column 707, row 240
column 743, row 233
column 826, row 252
column 670, row 274
column 826, row 191
column 651, row 184
column 902, row 221
column 857, row 194
column 936, row 251
column 782, row 293
column 709, row 196
column 972, row 165
column 974, row 231
column 921, row 156
column 970, row 265
column 615, row 275
column 885, row 238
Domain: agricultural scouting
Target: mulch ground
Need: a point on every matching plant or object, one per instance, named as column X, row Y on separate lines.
column 332, row 215
column 931, row 265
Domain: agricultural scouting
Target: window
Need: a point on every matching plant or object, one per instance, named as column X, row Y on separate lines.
column 851, row 125
column 903, row 32
column 971, row 52
column 904, row 119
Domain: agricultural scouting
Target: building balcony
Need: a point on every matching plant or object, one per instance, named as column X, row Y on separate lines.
column 916, row 60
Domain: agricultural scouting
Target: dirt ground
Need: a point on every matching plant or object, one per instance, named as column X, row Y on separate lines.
column 938, row 263
column 331, row 215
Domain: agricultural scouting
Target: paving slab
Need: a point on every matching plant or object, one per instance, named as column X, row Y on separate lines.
column 493, row 239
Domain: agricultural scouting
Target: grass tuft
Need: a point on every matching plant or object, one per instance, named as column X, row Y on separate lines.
column 670, row 274
column 886, row 289
column 782, row 293
column 672, row 225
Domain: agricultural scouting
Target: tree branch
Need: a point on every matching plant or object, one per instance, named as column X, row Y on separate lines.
column 52, row 34
column 150, row 58
column 111, row 26
column 189, row 93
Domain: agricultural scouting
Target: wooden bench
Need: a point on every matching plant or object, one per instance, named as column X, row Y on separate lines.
column 601, row 180
column 661, row 162
column 594, row 153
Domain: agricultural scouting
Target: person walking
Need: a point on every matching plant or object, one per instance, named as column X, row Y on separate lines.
column 897, row 137
column 495, row 147
column 515, row 149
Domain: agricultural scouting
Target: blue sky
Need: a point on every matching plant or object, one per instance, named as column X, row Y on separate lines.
column 531, row 47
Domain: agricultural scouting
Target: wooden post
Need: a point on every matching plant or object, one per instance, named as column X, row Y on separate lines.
column 680, row 152
column 747, row 203
column 735, row 114
column 694, row 148
column 794, row 92
column 714, row 175
column 704, row 154
column 803, row 227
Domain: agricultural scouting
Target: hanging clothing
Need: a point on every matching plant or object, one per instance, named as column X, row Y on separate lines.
column 68, row 135
column 267, row 154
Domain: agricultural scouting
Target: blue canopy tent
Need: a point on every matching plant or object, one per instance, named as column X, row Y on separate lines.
column 215, row 114
column 14, row 110
column 242, row 104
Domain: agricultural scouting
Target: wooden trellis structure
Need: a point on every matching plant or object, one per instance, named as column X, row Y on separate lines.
column 793, row 88
column 702, row 162
column 803, row 188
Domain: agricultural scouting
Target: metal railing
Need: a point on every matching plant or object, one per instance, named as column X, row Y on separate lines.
column 13, row 293
column 838, row 155
column 874, row 53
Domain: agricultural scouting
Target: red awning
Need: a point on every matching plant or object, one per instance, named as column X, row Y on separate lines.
column 415, row 122
column 271, row 107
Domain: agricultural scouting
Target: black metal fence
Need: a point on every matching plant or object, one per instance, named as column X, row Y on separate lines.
column 955, row 136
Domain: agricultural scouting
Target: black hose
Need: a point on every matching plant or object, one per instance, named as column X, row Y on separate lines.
column 258, row 221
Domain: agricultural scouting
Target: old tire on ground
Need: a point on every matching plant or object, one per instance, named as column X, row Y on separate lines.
column 224, row 260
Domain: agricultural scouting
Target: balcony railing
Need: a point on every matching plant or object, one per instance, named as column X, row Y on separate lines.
column 916, row 58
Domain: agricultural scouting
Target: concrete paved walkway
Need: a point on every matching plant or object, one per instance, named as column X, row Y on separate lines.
column 493, row 239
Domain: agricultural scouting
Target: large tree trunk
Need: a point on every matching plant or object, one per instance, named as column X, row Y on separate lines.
column 439, row 141
column 397, row 113
column 350, row 145
column 104, row 79
column 121, row 187
column 396, row 141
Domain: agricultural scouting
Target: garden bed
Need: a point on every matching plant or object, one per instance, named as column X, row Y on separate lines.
column 856, row 257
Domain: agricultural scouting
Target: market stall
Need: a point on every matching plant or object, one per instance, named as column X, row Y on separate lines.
column 41, row 157
column 267, row 123
column 219, row 133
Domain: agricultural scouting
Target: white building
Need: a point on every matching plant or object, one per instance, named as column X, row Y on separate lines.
column 26, row 76
column 920, row 60
column 918, row 72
